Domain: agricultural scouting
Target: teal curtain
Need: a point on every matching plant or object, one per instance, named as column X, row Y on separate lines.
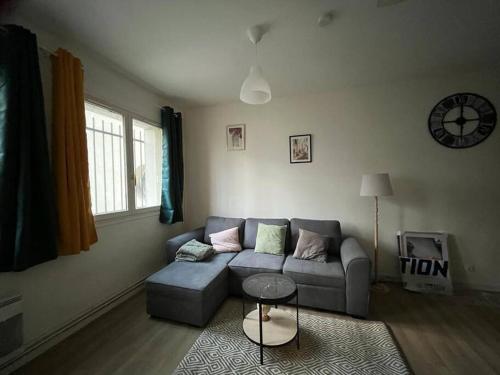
column 172, row 167
column 27, row 208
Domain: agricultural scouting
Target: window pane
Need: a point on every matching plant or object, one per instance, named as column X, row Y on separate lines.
column 106, row 149
column 147, row 164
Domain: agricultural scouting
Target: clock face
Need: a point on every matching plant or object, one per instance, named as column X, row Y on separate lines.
column 462, row 120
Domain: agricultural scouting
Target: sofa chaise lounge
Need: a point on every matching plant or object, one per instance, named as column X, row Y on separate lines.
column 191, row 292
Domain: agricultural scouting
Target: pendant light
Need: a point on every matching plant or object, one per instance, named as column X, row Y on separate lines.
column 255, row 88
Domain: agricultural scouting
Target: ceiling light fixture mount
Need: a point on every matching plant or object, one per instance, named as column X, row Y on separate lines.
column 255, row 89
column 325, row 19
column 388, row 3
column 255, row 33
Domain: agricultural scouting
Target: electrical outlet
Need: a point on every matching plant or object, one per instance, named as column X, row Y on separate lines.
column 471, row 268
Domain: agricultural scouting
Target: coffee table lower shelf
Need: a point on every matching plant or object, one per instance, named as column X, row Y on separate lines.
column 280, row 330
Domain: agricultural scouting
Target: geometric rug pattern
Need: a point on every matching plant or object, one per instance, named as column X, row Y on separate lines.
column 328, row 345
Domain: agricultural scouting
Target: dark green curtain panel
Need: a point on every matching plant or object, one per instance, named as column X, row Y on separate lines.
column 27, row 209
column 172, row 168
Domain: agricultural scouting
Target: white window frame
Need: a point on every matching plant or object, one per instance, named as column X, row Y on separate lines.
column 132, row 213
column 130, row 162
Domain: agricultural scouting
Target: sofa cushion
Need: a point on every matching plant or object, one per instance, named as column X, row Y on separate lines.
column 251, row 226
column 270, row 239
column 328, row 274
column 248, row 262
column 222, row 258
column 311, row 246
column 226, row 241
column 194, row 276
column 330, row 228
column 188, row 292
column 217, row 224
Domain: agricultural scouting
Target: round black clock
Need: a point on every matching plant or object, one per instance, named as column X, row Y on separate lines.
column 462, row 120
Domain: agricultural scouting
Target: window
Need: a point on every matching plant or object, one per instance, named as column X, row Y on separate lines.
column 120, row 145
column 106, row 155
column 147, row 164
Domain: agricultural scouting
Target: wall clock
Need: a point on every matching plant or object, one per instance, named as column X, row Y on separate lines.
column 462, row 120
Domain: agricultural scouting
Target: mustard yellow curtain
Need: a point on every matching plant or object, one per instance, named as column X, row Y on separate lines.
column 69, row 156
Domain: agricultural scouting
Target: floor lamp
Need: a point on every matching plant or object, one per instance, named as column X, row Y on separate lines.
column 375, row 185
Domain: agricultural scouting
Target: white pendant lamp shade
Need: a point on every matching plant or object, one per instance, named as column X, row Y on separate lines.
column 255, row 88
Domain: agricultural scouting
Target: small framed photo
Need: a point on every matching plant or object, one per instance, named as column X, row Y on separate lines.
column 235, row 136
column 300, row 148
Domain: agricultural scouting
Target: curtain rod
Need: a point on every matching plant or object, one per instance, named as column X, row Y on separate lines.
column 46, row 50
column 49, row 52
column 52, row 53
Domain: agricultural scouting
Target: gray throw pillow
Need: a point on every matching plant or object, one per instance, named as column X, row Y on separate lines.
column 311, row 246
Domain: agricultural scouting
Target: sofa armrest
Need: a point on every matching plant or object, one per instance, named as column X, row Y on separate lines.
column 357, row 268
column 176, row 242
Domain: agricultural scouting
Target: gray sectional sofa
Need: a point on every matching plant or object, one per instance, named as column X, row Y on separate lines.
column 191, row 292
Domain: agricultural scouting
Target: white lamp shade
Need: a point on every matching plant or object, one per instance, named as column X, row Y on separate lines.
column 255, row 89
column 375, row 185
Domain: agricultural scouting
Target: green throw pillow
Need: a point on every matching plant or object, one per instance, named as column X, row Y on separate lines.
column 270, row 239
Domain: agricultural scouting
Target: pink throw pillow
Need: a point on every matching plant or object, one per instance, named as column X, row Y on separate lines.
column 226, row 241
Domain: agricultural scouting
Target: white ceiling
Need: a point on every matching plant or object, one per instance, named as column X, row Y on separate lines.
column 197, row 50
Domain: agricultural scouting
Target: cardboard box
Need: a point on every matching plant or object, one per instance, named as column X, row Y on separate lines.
column 424, row 262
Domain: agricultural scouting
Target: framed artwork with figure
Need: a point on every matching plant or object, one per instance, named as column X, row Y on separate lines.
column 235, row 136
column 300, row 148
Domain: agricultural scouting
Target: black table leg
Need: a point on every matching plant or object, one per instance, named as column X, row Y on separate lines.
column 297, row 307
column 260, row 332
column 243, row 307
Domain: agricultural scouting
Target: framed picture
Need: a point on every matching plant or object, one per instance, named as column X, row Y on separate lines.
column 300, row 148
column 235, row 137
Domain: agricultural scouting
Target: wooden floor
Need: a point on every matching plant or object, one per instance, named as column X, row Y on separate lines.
column 438, row 335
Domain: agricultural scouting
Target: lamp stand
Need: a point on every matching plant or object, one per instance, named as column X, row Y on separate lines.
column 377, row 287
column 375, row 242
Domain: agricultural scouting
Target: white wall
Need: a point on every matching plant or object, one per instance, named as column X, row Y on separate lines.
column 356, row 131
column 58, row 291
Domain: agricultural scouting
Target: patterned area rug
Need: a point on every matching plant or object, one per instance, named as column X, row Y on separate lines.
column 328, row 345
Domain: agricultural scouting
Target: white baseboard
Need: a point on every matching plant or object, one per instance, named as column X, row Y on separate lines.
column 475, row 286
column 389, row 278
column 32, row 350
column 458, row 286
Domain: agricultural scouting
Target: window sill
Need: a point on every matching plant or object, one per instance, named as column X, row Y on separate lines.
column 123, row 217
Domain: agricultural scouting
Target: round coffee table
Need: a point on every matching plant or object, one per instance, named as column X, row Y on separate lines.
column 280, row 328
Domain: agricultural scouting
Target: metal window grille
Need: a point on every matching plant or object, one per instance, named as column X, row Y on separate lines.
column 147, row 164
column 106, row 156
column 139, row 167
